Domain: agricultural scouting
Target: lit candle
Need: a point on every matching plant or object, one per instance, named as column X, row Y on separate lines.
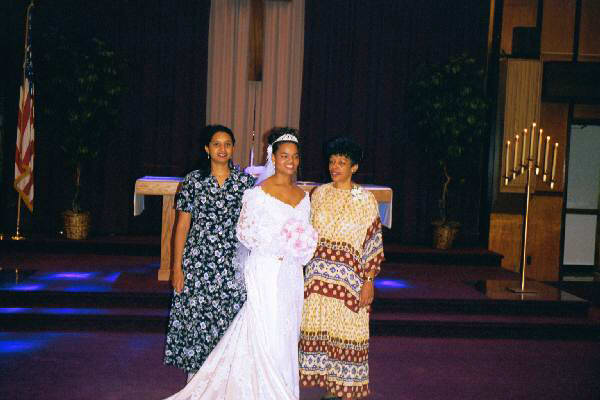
column 507, row 161
column 516, row 158
column 546, row 158
column 539, row 153
column 532, row 143
column 524, row 153
column 554, row 161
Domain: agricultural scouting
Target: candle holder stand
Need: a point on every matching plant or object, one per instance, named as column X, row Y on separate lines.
column 532, row 165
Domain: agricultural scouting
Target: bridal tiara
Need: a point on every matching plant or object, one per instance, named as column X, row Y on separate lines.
column 288, row 137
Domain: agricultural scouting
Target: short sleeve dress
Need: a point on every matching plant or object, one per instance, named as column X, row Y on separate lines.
column 334, row 333
column 212, row 295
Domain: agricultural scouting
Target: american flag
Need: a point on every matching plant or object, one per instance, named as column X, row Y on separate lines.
column 25, row 129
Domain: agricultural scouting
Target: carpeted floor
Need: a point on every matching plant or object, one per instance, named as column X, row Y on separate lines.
column 53, row 364
column 110, row 366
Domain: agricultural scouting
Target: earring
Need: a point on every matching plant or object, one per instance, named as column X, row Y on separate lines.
column 208, row 156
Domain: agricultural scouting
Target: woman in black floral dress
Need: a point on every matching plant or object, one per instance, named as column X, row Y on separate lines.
column 207, row 294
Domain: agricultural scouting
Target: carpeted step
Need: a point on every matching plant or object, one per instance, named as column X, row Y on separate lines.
column 83, row 319
column 10, row 298
column 398, row 253
column 382, row 323
column 113, row 245
column 483, row 326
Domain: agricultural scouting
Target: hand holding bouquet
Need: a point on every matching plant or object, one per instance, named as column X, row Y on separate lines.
column 299, row 240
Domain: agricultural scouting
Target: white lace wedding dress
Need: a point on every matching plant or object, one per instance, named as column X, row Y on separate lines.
column 257, row 358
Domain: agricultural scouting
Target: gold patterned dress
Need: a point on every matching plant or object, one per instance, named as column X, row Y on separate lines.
column 334, row 333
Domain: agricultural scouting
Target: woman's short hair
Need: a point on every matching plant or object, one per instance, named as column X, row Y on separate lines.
column 344, row 146
column 276, row 133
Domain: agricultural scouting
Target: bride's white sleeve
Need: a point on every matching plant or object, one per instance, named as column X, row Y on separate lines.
column 247, row 230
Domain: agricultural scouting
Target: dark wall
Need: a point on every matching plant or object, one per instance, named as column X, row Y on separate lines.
column 11, row 55
column 164, row 45
column 359, row 58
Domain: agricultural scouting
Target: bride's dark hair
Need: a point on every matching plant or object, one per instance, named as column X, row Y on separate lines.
column 276, row 133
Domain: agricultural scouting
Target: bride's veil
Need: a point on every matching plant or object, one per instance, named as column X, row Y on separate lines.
column 269, row 169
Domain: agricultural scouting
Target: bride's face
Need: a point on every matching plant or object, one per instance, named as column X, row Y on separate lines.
column 286, row 158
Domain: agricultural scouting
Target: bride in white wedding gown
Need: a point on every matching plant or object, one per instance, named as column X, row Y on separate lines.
column 257, row 358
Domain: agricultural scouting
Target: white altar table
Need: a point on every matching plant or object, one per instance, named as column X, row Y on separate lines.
column 167, row 187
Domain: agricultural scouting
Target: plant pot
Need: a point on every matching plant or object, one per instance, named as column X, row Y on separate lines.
column 77, row 225
column 443, row 236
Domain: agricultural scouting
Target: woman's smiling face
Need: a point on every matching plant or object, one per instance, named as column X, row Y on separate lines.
column 220, row 148
column 287, row 158
column 341, row 168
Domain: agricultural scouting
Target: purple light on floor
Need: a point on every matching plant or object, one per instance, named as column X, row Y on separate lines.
column 16, row 346
column 87, row 288
column 26, row 287
column 70, row 311
column 112, row 277
column 68, row 276
column 24, row 342
column 12, row 310
column 391, row 284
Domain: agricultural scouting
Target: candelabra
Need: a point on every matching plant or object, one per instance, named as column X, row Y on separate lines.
column 528, row 161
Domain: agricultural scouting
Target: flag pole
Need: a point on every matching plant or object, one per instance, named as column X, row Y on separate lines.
column 18, row 235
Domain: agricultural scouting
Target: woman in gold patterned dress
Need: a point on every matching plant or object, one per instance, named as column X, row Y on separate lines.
column 338, row 283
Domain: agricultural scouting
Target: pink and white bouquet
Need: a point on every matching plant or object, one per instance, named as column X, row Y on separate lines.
column 299, row 240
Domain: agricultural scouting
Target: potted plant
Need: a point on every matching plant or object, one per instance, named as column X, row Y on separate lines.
column 449, row 109
column 83, row 91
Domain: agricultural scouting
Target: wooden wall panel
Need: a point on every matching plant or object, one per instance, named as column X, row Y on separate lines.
column 505, row 238
column 516, row 13
column 586, row 111
column 557, row 35
column 543, row 239
column 543, row 242
column 558, row 27
column 520, row 107
column 589, row 33
column 553, row 119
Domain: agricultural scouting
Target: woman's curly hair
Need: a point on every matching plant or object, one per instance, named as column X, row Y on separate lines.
column 343, row 146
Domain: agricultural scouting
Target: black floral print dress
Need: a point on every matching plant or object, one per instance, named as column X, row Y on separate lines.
column 211, row 296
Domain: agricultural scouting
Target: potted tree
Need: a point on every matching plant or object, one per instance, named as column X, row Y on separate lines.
column 83, row 92
column 449, row 109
